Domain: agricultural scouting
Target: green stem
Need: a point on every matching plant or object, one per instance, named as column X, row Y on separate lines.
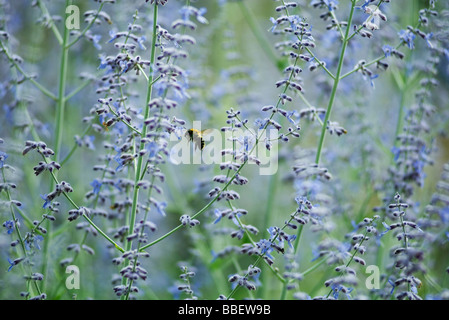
column 59, row 123
column 84, row 216
column 132, row 219
column 314, row 267
column 55, row 181
column 205, row 208
column 260, row 256
column 77, row 90
column 272, row 187
column 335, row 86
column 60, row 108
column 355, row 251
column 16, row 227
column 295, row 249
column 126, row 123
column 138, row 168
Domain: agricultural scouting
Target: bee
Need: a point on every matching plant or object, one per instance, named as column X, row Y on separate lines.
column 196, row 136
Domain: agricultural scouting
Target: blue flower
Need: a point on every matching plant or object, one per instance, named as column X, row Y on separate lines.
column 200, row 16
column 119, row 128
column 275, row 24
column 444, row 215
column 186, row 12
column 140, row 41
column 103, row 62
column 3, row 90
column 47, row 201
column 331, row 4
column 7, row 115
column 427, row 38
column 124, row 66
column 392, row 285
column 387, row 227
column 118, row 159
column 9, row 225
column 290, row 115
column 217, row 213
column 372, row 78
column 396, row 152
column 289, row 240
column 408, row 37
column 11, row 264
column 294, row 21
column 336, row 291
column 14, row 262
column 174, row 291
column 260, row 124
column 160, row 207
column 3, row 157
column 245, row 143
column 344, row 247
column 363, row 6
column 96, row 184
column 274, row 232
column 89, row 140
column 265, row 247
column 33, row 242
column 96, row 39
column 387, row 49
column 354, row 225
column 214, row 255
column 113, row 34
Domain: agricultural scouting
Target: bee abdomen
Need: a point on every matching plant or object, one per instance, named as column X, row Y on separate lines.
column 202, row 144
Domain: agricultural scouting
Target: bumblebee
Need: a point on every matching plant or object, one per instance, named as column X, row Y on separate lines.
column 196, row 136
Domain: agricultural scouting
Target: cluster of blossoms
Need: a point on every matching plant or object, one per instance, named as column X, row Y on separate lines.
column 142, row 137
column 408, row 256
column 188, row 273
column 28, row 244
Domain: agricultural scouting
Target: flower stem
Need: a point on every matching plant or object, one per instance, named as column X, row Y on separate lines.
column 138, row 168
column 59, row 124
column 132, row 217
column 335, row 86
column 16, row 227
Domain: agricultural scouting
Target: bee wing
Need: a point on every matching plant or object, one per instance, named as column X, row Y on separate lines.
column 199, row 143
column 206, row 132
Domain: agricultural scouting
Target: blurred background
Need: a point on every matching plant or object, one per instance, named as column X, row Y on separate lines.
column 233, row 65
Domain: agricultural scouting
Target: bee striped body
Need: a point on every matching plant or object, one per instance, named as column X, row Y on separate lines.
column 197, row 137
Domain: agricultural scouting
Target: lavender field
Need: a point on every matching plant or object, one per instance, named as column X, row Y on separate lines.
column 224, row 149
